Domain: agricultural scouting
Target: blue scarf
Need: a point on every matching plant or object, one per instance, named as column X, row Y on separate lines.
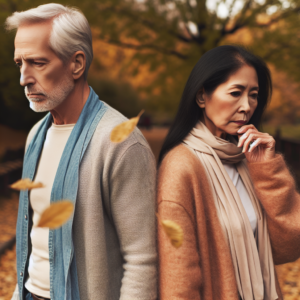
column 63, row 272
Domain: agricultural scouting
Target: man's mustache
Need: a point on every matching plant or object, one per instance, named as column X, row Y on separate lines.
column 29, row 91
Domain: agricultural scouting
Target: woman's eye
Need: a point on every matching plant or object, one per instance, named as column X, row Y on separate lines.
column 235, row 94
column 254, row 96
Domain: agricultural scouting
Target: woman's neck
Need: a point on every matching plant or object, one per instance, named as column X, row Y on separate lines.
column 213, row 129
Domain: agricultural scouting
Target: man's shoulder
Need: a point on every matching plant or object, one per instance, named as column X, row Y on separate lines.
column 112, row 118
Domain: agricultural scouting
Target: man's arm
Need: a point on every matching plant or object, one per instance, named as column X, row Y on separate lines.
column 133, row 189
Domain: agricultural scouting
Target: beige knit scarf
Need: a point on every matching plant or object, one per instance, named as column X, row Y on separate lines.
column 251, row 255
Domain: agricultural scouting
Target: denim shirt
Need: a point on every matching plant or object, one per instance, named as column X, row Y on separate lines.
column 63, row 272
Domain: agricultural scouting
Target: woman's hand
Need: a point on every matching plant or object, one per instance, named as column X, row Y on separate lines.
column 257, row 146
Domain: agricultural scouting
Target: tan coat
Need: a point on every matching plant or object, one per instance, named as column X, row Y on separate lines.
column 202, row 268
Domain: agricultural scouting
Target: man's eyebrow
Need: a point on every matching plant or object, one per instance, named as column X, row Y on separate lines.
column 240, row 86
column 31, row 58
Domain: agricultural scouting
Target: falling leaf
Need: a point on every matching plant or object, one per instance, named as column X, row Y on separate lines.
column 26, row 184
column 173, row 231
column 123, row 130
column 56, row 214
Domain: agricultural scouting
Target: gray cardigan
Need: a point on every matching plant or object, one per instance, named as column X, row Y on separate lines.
column 114, row 224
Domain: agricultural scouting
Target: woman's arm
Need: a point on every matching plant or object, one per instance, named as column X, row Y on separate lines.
column 179, row 269
column 275, row 188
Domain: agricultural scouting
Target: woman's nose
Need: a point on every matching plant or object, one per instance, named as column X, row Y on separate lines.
column 245, row 106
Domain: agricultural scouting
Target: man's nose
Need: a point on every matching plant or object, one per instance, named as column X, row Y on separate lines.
column 26, row 77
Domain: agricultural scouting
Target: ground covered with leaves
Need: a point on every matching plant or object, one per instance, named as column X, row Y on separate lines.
column 8, row 274
column 8, row 219
column 8, row 216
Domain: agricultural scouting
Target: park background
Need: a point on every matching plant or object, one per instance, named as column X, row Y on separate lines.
column 144, row 51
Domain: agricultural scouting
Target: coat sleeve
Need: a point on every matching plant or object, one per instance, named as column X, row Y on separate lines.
column 276, row 190
column 179, row 268
column 132, row 197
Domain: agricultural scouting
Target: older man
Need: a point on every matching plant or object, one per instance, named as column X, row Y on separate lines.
column 107, row 250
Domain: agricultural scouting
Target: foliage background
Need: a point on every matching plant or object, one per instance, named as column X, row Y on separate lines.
column 144, row 51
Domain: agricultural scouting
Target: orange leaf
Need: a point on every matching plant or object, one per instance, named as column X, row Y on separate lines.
column 123, row 130
column 173, row 231
column 56, row 214
column 26, row 184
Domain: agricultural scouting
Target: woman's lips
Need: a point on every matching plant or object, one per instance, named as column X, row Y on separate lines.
column 240, row 122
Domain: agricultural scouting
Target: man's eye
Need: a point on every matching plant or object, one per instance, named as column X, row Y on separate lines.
column 38, row 64
column 235, row 94
column 18, row 64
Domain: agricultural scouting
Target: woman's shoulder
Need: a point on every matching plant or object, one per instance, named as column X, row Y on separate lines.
column 182, row 179
column 181, row 161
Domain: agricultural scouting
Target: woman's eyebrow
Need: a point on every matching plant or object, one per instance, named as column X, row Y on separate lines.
column 242, row 87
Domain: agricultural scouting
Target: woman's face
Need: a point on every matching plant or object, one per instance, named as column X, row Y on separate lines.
column 232, row 103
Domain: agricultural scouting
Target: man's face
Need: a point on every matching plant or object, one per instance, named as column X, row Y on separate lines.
column 46, row 78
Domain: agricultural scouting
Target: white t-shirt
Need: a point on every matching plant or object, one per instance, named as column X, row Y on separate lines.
column 243, row 193
column 39, row 268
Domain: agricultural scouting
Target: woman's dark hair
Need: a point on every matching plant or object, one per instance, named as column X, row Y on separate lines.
column 211, row 70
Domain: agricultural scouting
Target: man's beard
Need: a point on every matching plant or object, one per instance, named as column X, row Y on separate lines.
column 50, row 100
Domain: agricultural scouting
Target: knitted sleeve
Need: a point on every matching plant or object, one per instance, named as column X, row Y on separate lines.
column 133, row 211
column 276, row 190
column 179, row 268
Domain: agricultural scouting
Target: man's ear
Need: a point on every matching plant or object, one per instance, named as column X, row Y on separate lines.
column 78, row 64
column 200, row 98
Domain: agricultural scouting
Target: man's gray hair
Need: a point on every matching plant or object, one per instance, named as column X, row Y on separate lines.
column 70, row 29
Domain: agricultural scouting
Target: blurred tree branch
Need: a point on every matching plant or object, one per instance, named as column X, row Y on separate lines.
column 166, row 38
column 168, row 22
column 145, row 46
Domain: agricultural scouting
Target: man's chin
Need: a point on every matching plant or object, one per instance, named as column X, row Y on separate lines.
column 39, row 106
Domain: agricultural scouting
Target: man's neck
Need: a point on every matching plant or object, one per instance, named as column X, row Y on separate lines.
column 69, row 111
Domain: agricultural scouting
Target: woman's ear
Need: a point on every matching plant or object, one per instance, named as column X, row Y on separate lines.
column 200, row 98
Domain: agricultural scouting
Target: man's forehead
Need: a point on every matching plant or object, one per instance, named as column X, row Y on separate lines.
column 35, row 34
column 32, row 39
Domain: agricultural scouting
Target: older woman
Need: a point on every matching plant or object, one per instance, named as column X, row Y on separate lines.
column 221, row 181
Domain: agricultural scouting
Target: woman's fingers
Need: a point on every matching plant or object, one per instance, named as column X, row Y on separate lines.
column 244, row 128
column 256, row 139
column 250, row 139
column 255, row 144
column 244, row 137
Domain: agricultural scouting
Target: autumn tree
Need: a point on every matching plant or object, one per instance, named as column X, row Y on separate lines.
column 167, row 38
column 170, row 36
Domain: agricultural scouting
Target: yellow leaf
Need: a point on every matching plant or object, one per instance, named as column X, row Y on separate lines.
column 56, row 214
column 123, row 130
column 173, row 231
column 26, row 184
